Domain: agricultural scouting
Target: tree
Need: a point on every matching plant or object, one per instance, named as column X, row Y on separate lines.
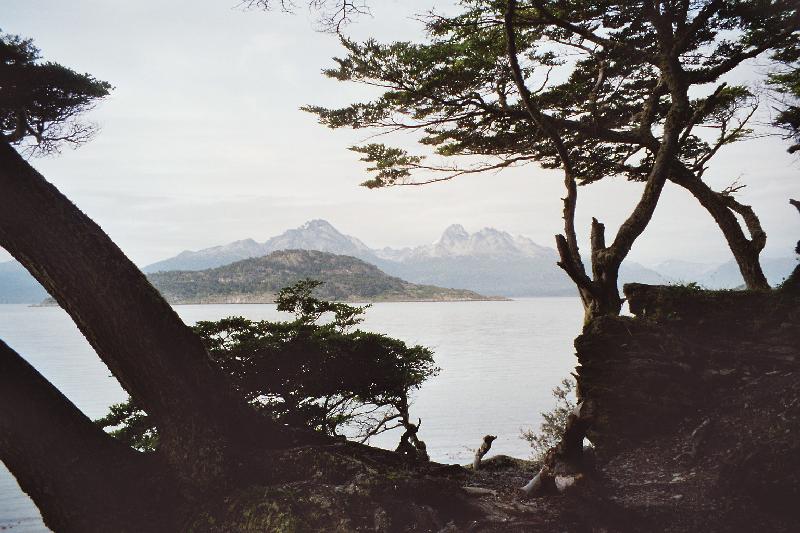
column 786, row 83
column 217, row 462
column 43, row 101
column 204, row 427
column 551, row 430
column 322, row 376
column 597, row 89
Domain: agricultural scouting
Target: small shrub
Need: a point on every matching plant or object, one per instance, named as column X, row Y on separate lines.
column 316, row 371
column 554, row 421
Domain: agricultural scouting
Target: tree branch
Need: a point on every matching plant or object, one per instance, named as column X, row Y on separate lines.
column 536, row 115
column 80, row 478
column 686, row 34
column 758, row 237
column 548, row 16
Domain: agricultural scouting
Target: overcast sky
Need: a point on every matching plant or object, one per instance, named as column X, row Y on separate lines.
column 202, row 141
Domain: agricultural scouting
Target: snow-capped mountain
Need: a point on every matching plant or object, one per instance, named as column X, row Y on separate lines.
column 457, row 242
column 317, row 235
column 489, row 261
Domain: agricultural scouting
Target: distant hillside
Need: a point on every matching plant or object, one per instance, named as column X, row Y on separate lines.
column 313, row 235
column 727, row 275
column 257, row 280
column 488, row 261
column 17, row 286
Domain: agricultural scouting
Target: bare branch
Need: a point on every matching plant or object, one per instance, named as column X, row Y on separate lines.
column 538, row 118
column 333, row 14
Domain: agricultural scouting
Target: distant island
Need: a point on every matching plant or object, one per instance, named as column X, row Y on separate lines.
column 257, row 280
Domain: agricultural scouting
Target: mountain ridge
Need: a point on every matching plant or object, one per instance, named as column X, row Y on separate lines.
column 488, row 261
column 316, row 234
column 258, row 280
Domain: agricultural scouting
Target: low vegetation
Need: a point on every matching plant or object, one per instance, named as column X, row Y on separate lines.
column 315, row 371
column 553, row 421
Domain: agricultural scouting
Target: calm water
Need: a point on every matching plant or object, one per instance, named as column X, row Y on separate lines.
column 499, row 362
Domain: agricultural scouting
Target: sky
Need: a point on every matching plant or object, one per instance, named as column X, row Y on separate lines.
column 202, row 141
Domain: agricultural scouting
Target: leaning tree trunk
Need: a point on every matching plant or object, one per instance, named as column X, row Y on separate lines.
column 722, row 208
column 156, row 358
column 82, row 479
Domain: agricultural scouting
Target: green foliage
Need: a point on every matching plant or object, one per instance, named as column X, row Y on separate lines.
column 131, row 425
column 689, row 285
column 554, row 421
column 391, row 164
column 41, row 102
column 307, row 372
column 298, row 299
column 787, row 84
column 594, row 69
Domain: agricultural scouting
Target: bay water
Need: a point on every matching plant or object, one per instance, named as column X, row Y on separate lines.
column 499, row 363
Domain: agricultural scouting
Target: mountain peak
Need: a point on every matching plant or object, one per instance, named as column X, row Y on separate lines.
column 454, row 232
column 493, row 232
column 318, row 224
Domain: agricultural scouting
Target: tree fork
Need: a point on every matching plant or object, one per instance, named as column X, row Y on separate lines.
column 722, row 207
column 593, row 299
column 156, row 358
column 81, row 479
column 600, row 295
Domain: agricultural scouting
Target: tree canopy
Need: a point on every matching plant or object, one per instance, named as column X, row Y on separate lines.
column 41, row 103
column 593, row 67
column 787, row 85
column 314, row 371
column 599, row 89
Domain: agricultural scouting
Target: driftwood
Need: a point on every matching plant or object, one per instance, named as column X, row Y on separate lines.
column 483, row 450
column 479, row 492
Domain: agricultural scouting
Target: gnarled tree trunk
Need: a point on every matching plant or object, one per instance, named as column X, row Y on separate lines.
column 81, row 478
column 722, row 208
column 600, row 294
column 156, row 358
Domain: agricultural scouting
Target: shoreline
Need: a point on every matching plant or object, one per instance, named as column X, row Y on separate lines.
column 488, row 299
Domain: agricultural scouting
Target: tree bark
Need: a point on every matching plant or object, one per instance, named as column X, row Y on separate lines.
column 81, row 479
column 156, row 358
column 600, row 294
column 745, row 251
